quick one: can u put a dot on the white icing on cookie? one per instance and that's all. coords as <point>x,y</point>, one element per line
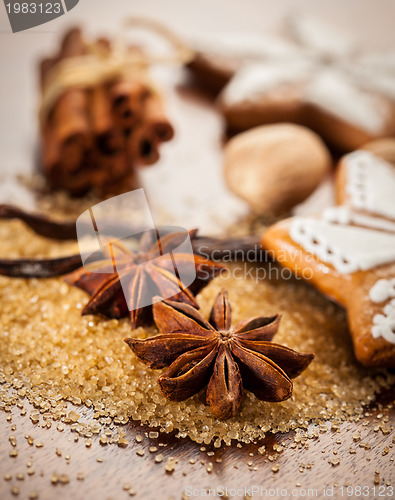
<point>370,183</point>
<point>334,92</point>
<point>382,290</point>
<point>352,85</point>
<point>347,248</point>
<point>314,34</point>
<point>331,90</point>
<point>374,79</point>
<point>378,62</point>
<point>344,215</point>
<point>384,324</point>
<point>247,46</point>
<point>254,81</point>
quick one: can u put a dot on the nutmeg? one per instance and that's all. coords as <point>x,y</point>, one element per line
<point>384,148</point>
<point>275,167</point>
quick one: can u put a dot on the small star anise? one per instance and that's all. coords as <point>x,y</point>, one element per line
<point>202,353</point>
<point>128,281</point>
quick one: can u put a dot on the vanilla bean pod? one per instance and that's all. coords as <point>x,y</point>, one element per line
<point>246,248</point>
<point>40,224</point>
<point>66,230</point>
<point>214,248</point>
<point>232,248</point>
<point>59,230</point>
<point>40,268</point>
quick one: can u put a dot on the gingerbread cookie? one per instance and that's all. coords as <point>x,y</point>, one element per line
<point>316,78</point>
<point>219,57</point>
<point>384,148</point>
<point>345,110</point>
<point>348,253</point>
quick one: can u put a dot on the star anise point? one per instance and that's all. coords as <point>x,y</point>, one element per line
<point>200,353</point>
<point>141,277</point>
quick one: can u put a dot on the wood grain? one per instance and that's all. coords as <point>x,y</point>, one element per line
<point>302,468</point>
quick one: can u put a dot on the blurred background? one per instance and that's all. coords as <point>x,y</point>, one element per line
<point>186,186</point>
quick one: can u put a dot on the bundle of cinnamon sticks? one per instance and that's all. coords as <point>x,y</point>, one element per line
<point>94,137</point>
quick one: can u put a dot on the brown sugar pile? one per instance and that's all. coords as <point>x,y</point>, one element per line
<point>50,353</point>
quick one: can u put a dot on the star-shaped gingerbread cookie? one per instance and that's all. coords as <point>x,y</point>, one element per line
<point>348,253</point>
<point>315,76</point>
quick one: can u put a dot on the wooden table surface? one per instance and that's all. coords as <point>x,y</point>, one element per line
<point>305,469</point>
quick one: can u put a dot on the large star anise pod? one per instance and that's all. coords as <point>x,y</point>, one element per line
<point>128,280</point>
<point>202,353</point>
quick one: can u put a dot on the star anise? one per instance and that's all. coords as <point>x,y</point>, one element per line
<point>128,280</point>
<point>201,353</point>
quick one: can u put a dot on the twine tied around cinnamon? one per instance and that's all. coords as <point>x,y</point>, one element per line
<point>100,66</point>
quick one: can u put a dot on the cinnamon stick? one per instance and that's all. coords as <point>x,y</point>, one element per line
<point>108,138</point>
<point>94,137</point>
<point>156,118</point>
<point>143,145</point>
<point>69,136</point>
<point>127,102</point>
<point>154,129</point>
